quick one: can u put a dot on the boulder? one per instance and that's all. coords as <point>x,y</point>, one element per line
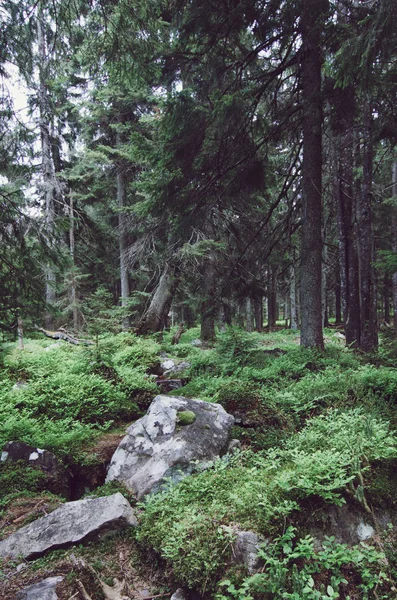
<point>245,550</point>
<point>170,367</point>
<point>44,590</point>
<point>177,436</point>
<point>72,523</point>
<point>57,477</point>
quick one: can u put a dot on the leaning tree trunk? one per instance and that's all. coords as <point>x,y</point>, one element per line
<point>155,316</point>
<point>312,22</point>
<point>369,326</point>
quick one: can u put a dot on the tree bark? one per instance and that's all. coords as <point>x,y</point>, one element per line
<point>208,304</point>
<point>21,345</point>
<point>344,197</point>
<point>394,244</point>
<point>258,313</point>
<point>155,316</point>
<point>369,326</point>
<point>73,286</point>
<point>47,164</point>
<point>124,281</point>
<point>312,19</point>
<point>292,299</point>
<point>248,315</point>
<point>272,297</point>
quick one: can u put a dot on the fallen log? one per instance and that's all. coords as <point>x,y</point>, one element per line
<point>62,334</point>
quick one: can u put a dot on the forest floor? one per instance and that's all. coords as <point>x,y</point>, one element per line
<point>316,430</point>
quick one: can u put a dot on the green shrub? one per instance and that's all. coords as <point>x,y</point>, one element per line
<point>141,352</point>
<point>17,477</point>
<point>84,398</point>
<point>294,570</point>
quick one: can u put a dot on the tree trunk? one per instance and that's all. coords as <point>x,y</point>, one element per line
<point>208,304</point>
<point>20,333</point>
<point>73,285</point>
<point>272,297</point>
<point>338,305</point>
<point>47,164</point>
<point>369,327</point>
<point>248,315</point>
<point>386,298</point>
<point>342,167</point>
<point>311,58</point>
<point>394,245</point>
<point>124,281</point>
<point>155,316</point>
<point>292,299</point>
<point>258,313</point>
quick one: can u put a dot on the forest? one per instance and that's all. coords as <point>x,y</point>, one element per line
<point>198,299</point>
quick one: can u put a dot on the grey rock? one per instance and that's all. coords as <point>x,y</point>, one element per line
<point>179,595</point>
<point>44,590</point>
<point>72,523</point>
<point>157,447</point>
<point>348,524</point>
<point>177,368</point>
<point>246,548</point>
<point>197,343</point>
<point>168,364</point>
<point>233,446</point>
<point>57,477</point>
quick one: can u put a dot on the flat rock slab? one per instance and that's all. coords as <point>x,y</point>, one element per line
<point>44,590</point>
<point>175,437</point>
<point>71,523</point>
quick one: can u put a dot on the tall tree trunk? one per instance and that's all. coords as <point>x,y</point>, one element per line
<point>312,22</point>
<point>124,281</point>
<point>155,316</point>
<point>394,244</point>
<point>258,312</point>
<point>248,315</point>
<point>386,298</point>
<point>272,297</point>
<point>338,305</point>
<point>47,164</point>
<point>73,286</point>
<point>292,299</point>
<point>21,345</point>
<point>208,303</point>
<point>369,327</point>
<point>343,192</point>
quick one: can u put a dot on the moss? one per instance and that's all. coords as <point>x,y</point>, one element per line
<point>186,417</point>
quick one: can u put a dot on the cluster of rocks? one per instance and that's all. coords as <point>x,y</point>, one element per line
<point>171,374</point>
<point>176,437</point>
